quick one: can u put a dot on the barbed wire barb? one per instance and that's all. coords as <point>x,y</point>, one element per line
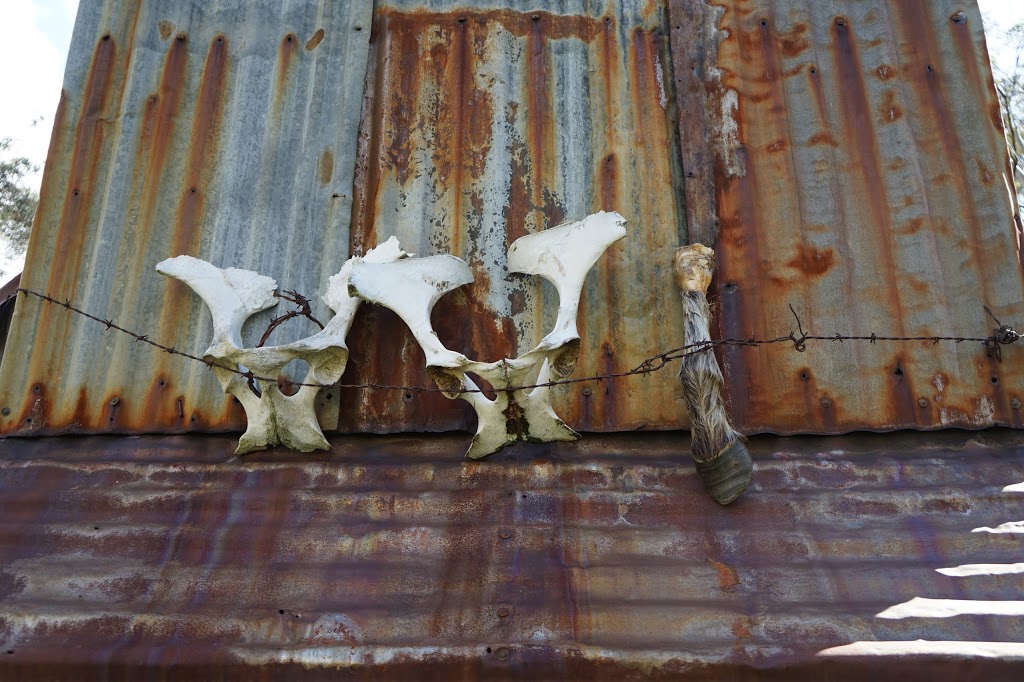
<point>1003,335</point>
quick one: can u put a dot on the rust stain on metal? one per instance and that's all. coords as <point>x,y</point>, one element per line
<point>435,565</point>
<point>462,114</point>
<point>326,166</point>
<point>166,28</point>
<point>876,213</point>
<point>315,41</point>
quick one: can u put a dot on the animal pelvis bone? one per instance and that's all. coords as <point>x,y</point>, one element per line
<point>411,287</point>
<point>562,255</point>
<point>233,296</point>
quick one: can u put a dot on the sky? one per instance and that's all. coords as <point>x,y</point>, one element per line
<point>34,40</point>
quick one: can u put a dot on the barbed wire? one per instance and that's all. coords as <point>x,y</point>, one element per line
<point>1002,335</point>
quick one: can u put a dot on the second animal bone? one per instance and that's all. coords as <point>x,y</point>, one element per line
<point>562,255</point>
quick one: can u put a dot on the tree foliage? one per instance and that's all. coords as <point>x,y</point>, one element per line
<point>17,202</point>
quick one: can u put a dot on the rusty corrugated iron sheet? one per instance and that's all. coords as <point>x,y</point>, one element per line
<point>219,129</point>
<point>484,123</point>
<point>393,558</point>
<point>848,158</point>
<point>231,135</point>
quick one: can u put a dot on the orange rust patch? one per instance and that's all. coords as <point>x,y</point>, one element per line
<point>822,139</point>
<point>326,166</point>
<point>811,261</point>
<point>166,28</point>
<point>315,40</point>
<point>889,110</point>
<point>794,42</point>
<point>727,577</point>
<point>985,173</point>
<point>519,24</point>
<point>741,627</point>
<point>777,146</point>
<point>885,72</point>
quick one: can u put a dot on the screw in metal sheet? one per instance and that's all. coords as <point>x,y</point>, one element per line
<point>502,654</point>
<point>1015,404</point>
<point>535,17</point>
<point>114,401</point>
<point>504,533</point>
<point>840,21</point>
<point>922,402</point>
<point>826,403</point>
<point>503,612</point>
<point>588,391</point>
<point>6,412</point>
<point>958,17</point>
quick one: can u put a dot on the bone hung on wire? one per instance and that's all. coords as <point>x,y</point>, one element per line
<point>719,453</point>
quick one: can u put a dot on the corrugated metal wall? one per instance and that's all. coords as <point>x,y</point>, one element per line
<point>237,143</point>
<point>218,129</point>
<point>392,559</point>
<point>486,124</point>
<point>848,159</point>
<point>843,157</point>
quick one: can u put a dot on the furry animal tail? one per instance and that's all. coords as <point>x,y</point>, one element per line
<point>721,457</point>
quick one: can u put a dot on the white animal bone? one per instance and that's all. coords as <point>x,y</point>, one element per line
<point>411,287</point>
<point>563,255</point>
<point>235,295</point>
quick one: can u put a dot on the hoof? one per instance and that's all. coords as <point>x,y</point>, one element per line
<point>728,474</point>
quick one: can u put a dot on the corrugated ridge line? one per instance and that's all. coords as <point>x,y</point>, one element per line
<point>156,153</point>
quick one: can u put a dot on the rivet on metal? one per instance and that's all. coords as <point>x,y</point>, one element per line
<point>6,411</point>
<point>588,391</point>
<point>502,654</point>
<point>825,402</point>
<point>503,612</point>
<point>1015,404</point>
<point>922,402</point>
<point>504,534</point>
<point>114,401</point>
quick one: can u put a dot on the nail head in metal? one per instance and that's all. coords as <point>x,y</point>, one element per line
<point>588,391</point>
<point>1015,404</point>
<point>503,612</point>
<point>6,411</point>
<point>504,534</point>
<point>114,401</point>
<point>502,654</point>
<point>840,21</point>
<point>922,402</point>
<point>825,402</point>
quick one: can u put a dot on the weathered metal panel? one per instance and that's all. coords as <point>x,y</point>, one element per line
<point>848,158</point>
<point>483,123</point>
<point>230,134</point>
<point>219,129</point>
<point>393,558</point>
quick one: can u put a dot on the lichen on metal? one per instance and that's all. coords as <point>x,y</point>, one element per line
<point>233,296</point>
<point>562,255</point>
<point>411,287</point>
